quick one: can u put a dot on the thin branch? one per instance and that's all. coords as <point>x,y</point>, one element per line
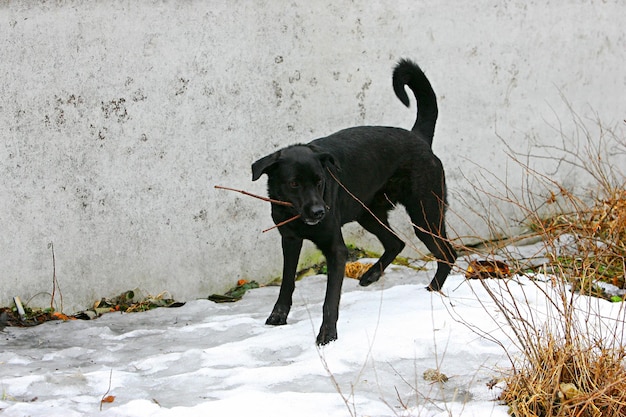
<point>281,203</point>
<point>108,389</point>
<point>55,282</point>
<point>289,220</point>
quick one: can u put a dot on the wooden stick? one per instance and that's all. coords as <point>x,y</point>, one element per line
<point>282,203</point>
<point>297,216</point>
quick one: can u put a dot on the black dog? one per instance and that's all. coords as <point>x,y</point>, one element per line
<point>359,174</point>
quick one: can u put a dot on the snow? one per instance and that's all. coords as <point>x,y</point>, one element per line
<point>221,359</point>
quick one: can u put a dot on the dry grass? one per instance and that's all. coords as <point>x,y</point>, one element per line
<point>567,368</point>
<point>568,378</point>
<point>572,360</point>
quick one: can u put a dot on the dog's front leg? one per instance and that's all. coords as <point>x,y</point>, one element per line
<point>336,256</point>
<point>291,254</point>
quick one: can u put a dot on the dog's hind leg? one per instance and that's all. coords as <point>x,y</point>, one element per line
<point>427,216</point>
<point>377,224</point>
<point>291,254</point>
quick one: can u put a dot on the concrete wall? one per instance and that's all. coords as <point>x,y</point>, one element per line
<point>117,119</point>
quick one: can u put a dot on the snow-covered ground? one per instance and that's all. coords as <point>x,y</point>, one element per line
<point>207,359</point>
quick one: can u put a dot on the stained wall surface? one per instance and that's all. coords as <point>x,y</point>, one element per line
<point>117,118</point>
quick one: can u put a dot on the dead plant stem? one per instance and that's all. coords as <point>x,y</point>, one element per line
<point>281,203</point>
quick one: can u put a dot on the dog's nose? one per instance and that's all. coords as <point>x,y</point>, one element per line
<point>318,212</point>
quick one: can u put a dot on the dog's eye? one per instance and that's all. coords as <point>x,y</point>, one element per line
<point>294,184</point>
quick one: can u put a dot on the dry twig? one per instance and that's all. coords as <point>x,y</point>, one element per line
<point>289,220</point>
<point>281,203</point>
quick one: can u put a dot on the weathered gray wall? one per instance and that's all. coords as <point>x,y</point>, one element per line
<point>118,117</point>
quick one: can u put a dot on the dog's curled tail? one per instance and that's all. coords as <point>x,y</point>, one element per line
<point>409,73</point>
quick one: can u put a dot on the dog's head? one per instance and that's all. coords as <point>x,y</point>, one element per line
<point>298,175</point>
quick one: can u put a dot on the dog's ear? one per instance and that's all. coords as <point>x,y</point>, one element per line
<point>329,161</point>
<point>261,166</point>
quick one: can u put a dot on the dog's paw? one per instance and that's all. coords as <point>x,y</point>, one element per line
<point>326,336</point>
<point>276,319</point>
<point>278,316</point>
<point>369,278</point>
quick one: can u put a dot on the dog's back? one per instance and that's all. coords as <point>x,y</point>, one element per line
<point>376,153</point>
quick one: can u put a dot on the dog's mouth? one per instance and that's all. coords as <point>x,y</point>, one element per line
<point>311,222</point>
<point>314,214</point>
